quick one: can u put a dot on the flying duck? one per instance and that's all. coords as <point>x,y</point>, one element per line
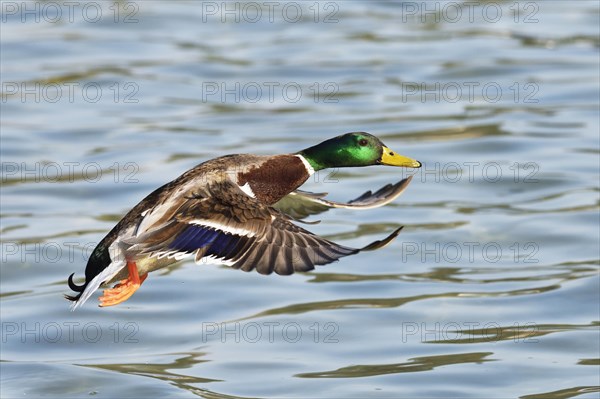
<point>238,210</point>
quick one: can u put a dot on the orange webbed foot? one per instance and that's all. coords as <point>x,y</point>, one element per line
<point>124,289</point>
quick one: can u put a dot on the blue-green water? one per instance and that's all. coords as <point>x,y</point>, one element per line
<point>491,290</point>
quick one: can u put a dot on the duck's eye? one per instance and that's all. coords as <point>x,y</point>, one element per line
<point>363,142</point>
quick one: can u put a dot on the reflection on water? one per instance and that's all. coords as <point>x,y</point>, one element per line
<point>564,393</point>
<point>413,365</point>
<point>392,302</point>
<point>525,332</point>
<point>160,371</point>
<point>492,285</point>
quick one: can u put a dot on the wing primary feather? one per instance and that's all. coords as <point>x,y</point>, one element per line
<point>300,204</point>
<point>382,243</point>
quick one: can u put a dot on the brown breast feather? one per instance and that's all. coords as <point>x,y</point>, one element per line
<point>275,178</point>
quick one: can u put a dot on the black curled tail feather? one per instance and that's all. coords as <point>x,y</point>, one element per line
<point>76,288</point>
<point>98,261</point>
<point>72,298</point>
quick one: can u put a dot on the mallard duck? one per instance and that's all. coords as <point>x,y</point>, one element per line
<point>236,210</point>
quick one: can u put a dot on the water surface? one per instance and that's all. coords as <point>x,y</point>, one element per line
<point>492,289</point>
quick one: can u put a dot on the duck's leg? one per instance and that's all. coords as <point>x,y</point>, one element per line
<point>125,289</point>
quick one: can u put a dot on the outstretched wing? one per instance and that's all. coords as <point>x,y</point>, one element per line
<point>300,204</point>
<point>222,223</point>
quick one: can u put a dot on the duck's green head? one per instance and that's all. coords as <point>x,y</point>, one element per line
<point>352,150</point>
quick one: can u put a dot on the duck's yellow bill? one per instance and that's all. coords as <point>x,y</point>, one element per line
<point>389,157</point>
